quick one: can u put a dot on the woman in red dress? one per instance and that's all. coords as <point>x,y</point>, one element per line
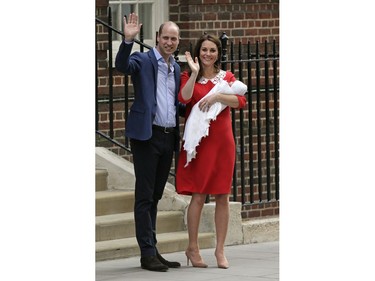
<point>211,171</point>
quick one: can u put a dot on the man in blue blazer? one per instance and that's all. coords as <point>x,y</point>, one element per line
<point>152,127</point>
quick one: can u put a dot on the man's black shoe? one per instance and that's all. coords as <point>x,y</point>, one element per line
<point>172,264</point>
<point>152,263</point>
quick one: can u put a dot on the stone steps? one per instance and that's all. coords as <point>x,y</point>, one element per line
<point>110,202</point>
<point>122,225</point>
<point>167,243</point>
<point>115,227</point>
<point>101,176</point>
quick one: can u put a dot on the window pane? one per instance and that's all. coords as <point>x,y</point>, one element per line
<point>144,11</point>
<point>115,15</point>
<point>127,9</point>
<point>145,17</point>
<point>118,12</point>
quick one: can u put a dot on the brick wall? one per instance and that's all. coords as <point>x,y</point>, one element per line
<point>241,20</point>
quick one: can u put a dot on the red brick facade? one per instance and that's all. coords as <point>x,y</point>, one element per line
<point>250,20</point>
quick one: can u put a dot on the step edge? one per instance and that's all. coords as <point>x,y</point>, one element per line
<point>131,241</point>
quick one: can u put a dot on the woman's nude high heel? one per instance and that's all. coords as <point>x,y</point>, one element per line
<point>197,262</point>
<point>222,263</point>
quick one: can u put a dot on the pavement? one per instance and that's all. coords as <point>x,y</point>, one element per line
<point>250,262</point>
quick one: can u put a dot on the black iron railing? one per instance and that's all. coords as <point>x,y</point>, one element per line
<point>109,134</point>
<point>259,94</point>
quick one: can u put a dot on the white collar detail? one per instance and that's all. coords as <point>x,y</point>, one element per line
<point>215,80</point>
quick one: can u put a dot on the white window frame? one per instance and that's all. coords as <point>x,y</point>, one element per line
<point>159,15</point>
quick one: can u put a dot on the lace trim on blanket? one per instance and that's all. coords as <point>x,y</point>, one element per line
<point>214,80</point>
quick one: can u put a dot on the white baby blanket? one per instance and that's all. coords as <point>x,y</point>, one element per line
<point>198,123</point>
